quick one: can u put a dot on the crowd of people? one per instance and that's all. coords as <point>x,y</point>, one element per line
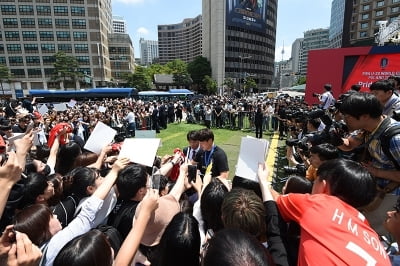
<point>63,205</point>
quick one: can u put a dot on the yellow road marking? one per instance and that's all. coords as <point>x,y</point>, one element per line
<point>272,153</point>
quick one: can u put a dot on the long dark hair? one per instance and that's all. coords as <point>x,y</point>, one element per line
<point>34,221</point>
<point>180,242</point>
<point>91,248</point>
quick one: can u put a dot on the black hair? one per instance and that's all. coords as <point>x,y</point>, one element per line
<point>35,185</point>
<point>211,202</point>
<point>192,135</point>
<point>325,151</point>
<point>359,103</point>
<point>240,182</point>
<point>349,181</point>
<point>315,122</point>
<point>232,247</point>
<point>356,87</point>
<point>130,180</point>
<point>82,177</point>
<point>328,87</point>
<point>205,134</point>
<point>66,157</point>
<point>91,248</point>
<point>42,152</point>
<point>180,242</point>
<point>382,85</point>
<point>298,184</point>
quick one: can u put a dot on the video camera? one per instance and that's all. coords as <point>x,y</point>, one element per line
<point>332,133</point>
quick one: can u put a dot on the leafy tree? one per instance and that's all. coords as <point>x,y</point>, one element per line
<point>249,83</point>
<point>198,69</point>
<point>230,84</point>
<point>155,69</point>
<point>65,68</point>
<point>182,79</point>
<point>139,79</point>
<point>301,80</point>
<point>211,85</point>
<point>176,66</point>
<point>4,75</point>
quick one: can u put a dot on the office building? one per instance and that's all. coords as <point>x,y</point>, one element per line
<point>33,31</point>
<point>239,40</point>
<point>297,48</point>
<point>148,51</point>
<point>313,40</point>
<point>362,19</point>
<point>336,24</point>
<point>119,25</point>
<point>180,41</point>
<point>121,57</point>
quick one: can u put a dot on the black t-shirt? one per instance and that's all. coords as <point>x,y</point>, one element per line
<point>122,215</point>
<point>218,158</point>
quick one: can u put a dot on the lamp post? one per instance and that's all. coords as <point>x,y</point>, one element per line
<point>241,69</point>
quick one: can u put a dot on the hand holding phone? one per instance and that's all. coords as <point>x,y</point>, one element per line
<point>192,172</point>
<point>155,178</point>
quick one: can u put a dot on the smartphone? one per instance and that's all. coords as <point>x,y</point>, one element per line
<point>155,178</point>
<point>192,172</point>
<point>30,126</point>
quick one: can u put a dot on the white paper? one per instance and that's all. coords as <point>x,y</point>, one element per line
<point>60,107</point>
<point>101,136</point>
<point>141,151</point>
<point>252,152</point>
<point>43,109</point>
<point>102,109</point>
<point>71,103</point>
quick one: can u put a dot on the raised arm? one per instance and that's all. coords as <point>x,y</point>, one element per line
<point>131,243</point>
<point>10,173</point>
<point>22,148</point>
<point>102,191</point>
<point>101,157</point>
<point>52,159</point>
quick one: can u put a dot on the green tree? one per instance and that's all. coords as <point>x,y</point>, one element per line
<point>4,75</point>
<point>230,84</point>
<point>176,66</point>
<point>211,85</point>
<point>182,79</point>
<point>301,80</point>
<point>198,69</point>
<point>65,68</point>
<point>249,83</point>
<point>139,80</point>
<point>155,69</point>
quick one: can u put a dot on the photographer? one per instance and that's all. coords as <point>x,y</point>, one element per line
<point>363,111</point>
<point>326,99</point>
<point>319,154</point>
<point>384,92</point>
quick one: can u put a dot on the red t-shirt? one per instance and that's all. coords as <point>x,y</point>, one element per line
<point>332,232</point>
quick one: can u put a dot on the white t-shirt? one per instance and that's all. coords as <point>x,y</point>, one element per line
<point>326,100</point>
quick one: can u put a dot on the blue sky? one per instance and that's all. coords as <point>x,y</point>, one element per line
<point>294,18</point>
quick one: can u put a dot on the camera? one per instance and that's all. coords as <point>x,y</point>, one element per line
<point>299,169</point>
<point>315,94</point>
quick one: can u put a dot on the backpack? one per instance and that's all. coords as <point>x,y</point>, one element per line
<point>385,138</point>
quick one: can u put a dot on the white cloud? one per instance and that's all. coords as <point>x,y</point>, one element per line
<point>142,31</point>
<point>130,2</point>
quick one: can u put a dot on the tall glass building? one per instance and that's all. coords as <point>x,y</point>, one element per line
<point>239,40</point>
<point>336,24</point>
